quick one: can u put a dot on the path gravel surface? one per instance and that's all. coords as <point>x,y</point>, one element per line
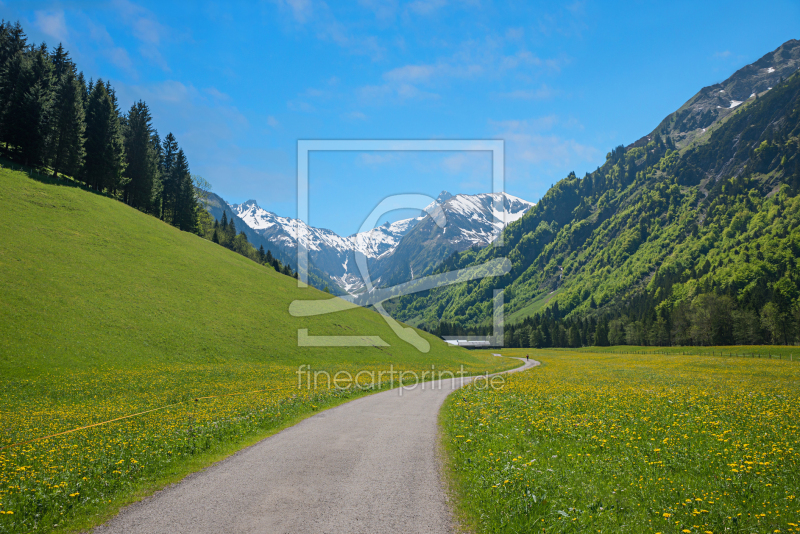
<point>369,465</point>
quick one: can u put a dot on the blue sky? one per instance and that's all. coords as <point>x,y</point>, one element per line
<point>239,83</point>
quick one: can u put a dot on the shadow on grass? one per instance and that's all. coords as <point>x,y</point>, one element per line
<point>47,178</point>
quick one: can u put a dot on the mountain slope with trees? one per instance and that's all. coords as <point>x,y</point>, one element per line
<point>53,121</point>
<point>676,239</point>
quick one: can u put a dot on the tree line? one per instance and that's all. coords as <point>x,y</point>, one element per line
<point>51,118</point>
<point>706,320</point>
<point>54,120</point>
<point>223,232</point>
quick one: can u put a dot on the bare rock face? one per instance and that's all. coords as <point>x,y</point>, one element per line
<point>714,103</point>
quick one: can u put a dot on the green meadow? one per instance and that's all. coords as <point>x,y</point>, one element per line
<point>629,443</point>
<point>107,312</point>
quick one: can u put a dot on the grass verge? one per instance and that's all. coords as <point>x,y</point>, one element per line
<point>629,443</point>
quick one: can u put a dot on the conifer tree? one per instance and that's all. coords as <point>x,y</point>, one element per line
<point>12,44</point>
<point>27,96</point>
<point>157,196</point>
<point>185,208</point>
<point>65,147</point>
<point>85,94</point>
<point>142,167</point>
<point>12,40</point>
<point>169,193</point>
<point>104,164</point>
<point>61,62</point>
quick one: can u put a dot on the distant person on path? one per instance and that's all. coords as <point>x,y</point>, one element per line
<point>527,356</point>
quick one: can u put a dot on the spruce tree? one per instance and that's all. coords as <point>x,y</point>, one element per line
<point>169,193</point>
<point>142,166</point>
<point>185,209</point>
<point>65,147</point>
<point>104,163</point>
<point>12,44</point>
<point>12,40</point>
<point>61,62</point>
<point>85,88</point>
<point>27,97</point>
<point>157,194</point>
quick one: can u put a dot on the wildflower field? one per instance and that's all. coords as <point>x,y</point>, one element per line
<point>629,443</point>
<point>107,312</point>
<point>200,414</point>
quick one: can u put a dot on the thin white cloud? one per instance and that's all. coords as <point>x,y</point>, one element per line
<point>455,163</point>
<point>302,10</point>
<point>384,10</point>
<point>532,146</point>
<point>515,34</point>
<point>356,115</point>
<point>472,59</point>
<point>106,47</point>
<point>366,45</point>
<point>273,122</point>
<point>577,8</point>
<point>146,29</point>
<point>410,73</point>
<point>318,16</point>
<point>171,91</point>
<point>393,91</point>
<point>216,93</point>
<point>52,24</point>
<point>299,105</point>
<point>426,7</point>
<point>542,93</point>
<point>316,93</point>
<point>567,21</point>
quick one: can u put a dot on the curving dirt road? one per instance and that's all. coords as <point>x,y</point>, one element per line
<point>368,465</point>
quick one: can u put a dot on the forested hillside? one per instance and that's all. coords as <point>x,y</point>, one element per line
<point>676,239</point>
<point>55,121</point>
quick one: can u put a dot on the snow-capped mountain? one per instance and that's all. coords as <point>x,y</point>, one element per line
<point>395,252</point>
<point>471,220</point>
<point>327,250</point>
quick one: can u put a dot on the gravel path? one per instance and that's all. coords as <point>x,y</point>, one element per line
<point>368,465</point>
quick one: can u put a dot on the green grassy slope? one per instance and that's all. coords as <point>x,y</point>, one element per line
<point>105,312</point>
<point>85,280</point>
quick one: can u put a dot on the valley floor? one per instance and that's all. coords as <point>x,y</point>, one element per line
<point>630,443</point>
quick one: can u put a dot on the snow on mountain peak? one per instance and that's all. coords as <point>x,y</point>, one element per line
<point>443,197</point>
<point>471,219</point>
